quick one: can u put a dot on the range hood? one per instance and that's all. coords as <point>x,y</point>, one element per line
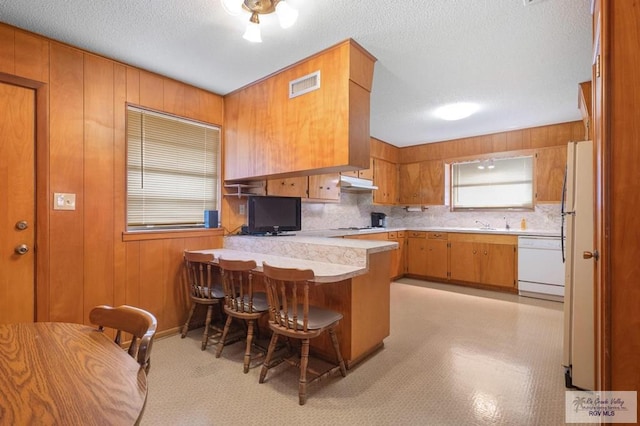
<point>353,184</point>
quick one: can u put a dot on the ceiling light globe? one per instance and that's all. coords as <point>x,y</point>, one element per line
<point>456,111</point>
<point>286,14</point>
<point>232,7</point>
<point>252,33</point>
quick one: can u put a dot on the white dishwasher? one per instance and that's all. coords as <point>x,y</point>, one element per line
<point>540,268</point>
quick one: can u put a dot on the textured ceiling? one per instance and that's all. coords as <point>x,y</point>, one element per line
<point>522,64</point>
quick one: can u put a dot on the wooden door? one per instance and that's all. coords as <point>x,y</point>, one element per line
<point>385,177</point>
<point>17,214</point>
<point>549,172</point>
<point>432,182</point>
<point>498,264</point>
<point>436,262</point>
<point>416,255</point>
<point>464,261</point>
<point>409,183</point>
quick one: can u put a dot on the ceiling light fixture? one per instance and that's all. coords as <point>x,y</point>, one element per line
<point>456,111</point>
<point>286,14</point>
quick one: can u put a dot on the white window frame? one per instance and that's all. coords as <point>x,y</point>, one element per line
<point>470,185</point>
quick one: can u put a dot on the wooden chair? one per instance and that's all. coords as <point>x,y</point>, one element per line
<point>291,316</point>
<point>135,321</point>
<point>240,301</point>
<point>203,289</point>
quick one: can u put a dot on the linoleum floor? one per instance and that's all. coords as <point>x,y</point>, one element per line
<point>455,356</point>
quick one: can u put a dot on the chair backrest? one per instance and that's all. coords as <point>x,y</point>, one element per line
<point>139,323</point>
<point>288,295</point>
<point>237,281</point>
<point>201,276</point>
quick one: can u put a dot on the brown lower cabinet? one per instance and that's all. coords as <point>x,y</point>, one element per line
<point>463,258</point>
<point>427,254</point>
<point>397,268</point>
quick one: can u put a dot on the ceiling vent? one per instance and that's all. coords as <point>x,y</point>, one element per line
<point>305,84</point>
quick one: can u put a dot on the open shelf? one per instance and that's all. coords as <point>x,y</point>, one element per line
<point>244,189</point>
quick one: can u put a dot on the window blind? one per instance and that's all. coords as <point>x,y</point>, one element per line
<point>172,170</point>
<point>507,184</point>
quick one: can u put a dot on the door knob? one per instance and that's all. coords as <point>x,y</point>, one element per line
<point>22,225</point>
<point>589,255</point>
<point>22,249</point>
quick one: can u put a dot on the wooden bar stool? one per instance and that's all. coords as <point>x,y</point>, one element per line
<point>291,316</point>
<point>240,301</point>
<point>203,288</point>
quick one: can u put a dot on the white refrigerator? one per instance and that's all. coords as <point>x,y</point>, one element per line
<point>578,225</point>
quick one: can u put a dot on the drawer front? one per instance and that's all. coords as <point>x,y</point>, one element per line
<point>437,235</point>
<point>402,234</point>
<point>392,235</point>
<point>417,234</point>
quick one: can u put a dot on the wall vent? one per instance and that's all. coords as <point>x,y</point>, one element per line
<point>305,84</point>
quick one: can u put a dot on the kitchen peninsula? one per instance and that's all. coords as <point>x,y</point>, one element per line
<point>352,278</point>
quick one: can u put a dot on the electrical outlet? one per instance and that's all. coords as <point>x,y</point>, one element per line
<point>241,210</point>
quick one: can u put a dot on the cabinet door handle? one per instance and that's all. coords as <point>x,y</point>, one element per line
<point>474,252</point>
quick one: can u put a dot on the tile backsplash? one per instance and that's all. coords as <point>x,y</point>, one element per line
<point>354,209</point>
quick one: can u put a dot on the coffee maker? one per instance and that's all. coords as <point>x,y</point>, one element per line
<point>378,220</point>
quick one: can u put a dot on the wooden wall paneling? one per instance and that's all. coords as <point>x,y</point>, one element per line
<point>539,136</point>
<point>66,148</point>
<point>517,140</point>
<point>559,134</point>
<point>98,182</point>
<point>119,183</point>
<point>498,142</point>
<point>153,279</point>
<point>191,101</point>
<point>133,85</point>
<point>42,208</point>
<point>7,49</point>
<point>132,273</point>
<point>579,131</point>
<point>175,303</point>
<point>151,90</point>
<point>31,56</point>
<point>174,97</point>
<point>384,151</point>
<point>212,107</point>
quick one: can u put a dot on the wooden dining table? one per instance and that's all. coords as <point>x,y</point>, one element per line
<point>55,373</point>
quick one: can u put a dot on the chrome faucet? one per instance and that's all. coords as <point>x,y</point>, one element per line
<point>484,225</point>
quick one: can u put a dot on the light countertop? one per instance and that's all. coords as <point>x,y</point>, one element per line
<point>502,231</point>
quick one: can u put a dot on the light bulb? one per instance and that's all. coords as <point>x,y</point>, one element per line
<point>286,14</point>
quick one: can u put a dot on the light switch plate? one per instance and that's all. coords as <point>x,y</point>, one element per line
<point>64,201</point>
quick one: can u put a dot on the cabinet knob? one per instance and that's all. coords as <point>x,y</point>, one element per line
<point>474,252</point>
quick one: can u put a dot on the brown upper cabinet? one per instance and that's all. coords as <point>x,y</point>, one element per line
<point>363,173</point>
<point>421,183</point>
<point>385,177</point>
<point>268,132</point>
<point>549,173</point>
